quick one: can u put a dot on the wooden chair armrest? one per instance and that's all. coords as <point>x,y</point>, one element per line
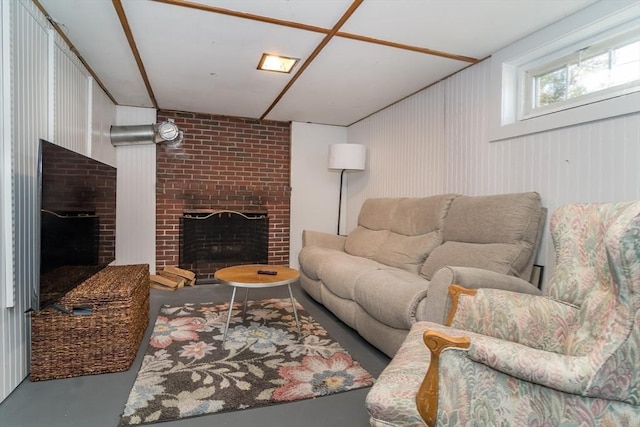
<point>455,291</point>
<point>427,398</point>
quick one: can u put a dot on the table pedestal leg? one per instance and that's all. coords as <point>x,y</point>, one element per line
<point>226,327</point>
<point>295,312</point>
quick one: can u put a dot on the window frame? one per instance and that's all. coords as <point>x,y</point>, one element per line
<point>597,45</point>
<point>598,22</point>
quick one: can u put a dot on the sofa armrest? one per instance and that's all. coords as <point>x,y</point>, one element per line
<point>434,304</point>
<point>427,397</point>
<point>325,240</point>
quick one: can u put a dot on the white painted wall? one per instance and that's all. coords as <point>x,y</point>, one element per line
<point>136,209</point>
<point>314,188</point>
<point>103,115</point>
<point>71,92</point>
<point>406,151</point>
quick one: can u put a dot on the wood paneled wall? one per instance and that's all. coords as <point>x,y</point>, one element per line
<point>50,97</point>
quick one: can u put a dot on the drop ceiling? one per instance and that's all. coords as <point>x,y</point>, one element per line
<point>356,57</point>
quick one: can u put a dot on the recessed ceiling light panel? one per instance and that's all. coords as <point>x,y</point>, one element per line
<point>277,63</point>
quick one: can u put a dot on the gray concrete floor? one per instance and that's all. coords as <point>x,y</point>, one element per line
<point>98,400</point>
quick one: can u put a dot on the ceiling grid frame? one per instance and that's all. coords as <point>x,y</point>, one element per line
<point>394,67</point>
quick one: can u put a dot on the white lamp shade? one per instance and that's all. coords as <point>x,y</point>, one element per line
<point>347,156</point>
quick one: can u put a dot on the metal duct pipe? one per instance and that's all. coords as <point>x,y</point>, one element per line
<point>130,135</point>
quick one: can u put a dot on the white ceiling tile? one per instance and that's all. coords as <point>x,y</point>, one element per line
<point>94,29</point>
<point>474,28</point>
<point>350,80</point>
<point>212,65</point>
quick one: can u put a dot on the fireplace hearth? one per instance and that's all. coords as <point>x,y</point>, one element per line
<point>214,239</point>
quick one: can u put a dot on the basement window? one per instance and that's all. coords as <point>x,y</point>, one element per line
<point>603,70</point>
<point>582,69</point>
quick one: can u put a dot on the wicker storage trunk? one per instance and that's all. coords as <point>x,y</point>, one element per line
<point>104,338</point>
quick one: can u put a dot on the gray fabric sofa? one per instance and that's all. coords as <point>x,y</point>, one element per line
<point>395,268</point>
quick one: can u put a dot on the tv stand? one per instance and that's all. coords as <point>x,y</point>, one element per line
<point>96,328</point>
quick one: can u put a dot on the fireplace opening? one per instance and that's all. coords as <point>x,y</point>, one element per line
<point>210,240</point>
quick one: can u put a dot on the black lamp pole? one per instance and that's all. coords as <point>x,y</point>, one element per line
<point>340,200</point>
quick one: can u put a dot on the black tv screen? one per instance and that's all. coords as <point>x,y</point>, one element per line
<point>77,220</point>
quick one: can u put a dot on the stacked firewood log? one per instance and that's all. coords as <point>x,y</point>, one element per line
<point>172,278</point>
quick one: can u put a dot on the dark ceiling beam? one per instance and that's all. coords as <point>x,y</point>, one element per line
<point>244,15</point>
<point>117,4</point>
<point>407,47</point>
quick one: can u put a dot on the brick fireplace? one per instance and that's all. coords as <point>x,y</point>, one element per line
<point>225,163</point>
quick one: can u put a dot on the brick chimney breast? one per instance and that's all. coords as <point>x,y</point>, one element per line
<point>224,163</point>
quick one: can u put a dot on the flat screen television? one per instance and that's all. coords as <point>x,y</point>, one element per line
<point>77,220</point>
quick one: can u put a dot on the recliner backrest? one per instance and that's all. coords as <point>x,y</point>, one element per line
<point>498,232</point>
<point>399,232</point>
<point>597,269</point>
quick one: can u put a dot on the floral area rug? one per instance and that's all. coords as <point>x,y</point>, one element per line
<point>186,371</point>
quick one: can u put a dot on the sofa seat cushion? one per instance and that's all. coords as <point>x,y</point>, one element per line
<point>340,272</point>
<point>336,269</point>
<point>312,257</point>
<point>388,295</point>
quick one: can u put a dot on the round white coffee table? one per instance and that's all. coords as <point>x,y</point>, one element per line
<point>256,276</point>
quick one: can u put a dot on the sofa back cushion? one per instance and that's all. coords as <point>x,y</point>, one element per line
<point>498,233</point>
<point>407,252</point>
<point>375,214</point>
<point>399,232</point>
<point>374,222</point>
<point>365,242</point>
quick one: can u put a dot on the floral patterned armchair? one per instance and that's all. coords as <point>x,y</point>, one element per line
<point>570,357</point>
